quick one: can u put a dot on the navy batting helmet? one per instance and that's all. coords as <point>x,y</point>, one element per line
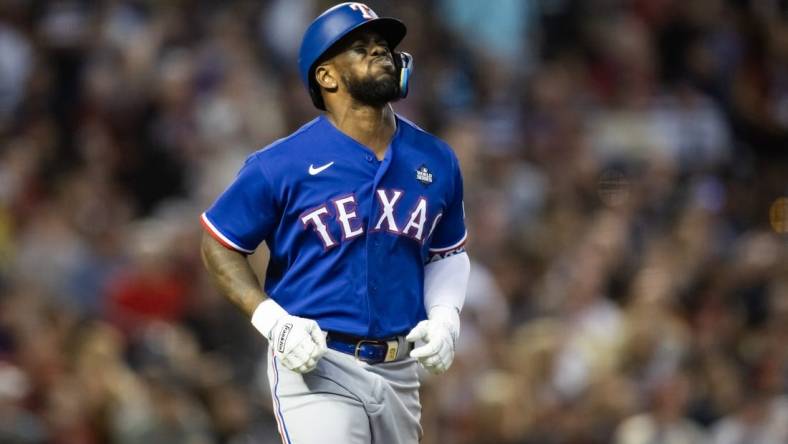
<point>339,21</point>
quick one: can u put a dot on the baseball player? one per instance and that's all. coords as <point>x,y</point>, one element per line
<point>363,214</point>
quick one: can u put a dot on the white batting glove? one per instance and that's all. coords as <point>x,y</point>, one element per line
<point>440,334</point>
<point>298,342</point>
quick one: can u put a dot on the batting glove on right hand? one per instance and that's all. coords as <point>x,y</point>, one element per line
<point>440,334</point>
<point>298,342</point>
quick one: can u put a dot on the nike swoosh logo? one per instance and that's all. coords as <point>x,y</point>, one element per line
<point>320,169</point>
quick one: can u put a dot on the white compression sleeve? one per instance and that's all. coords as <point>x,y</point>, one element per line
<point>446,281</point>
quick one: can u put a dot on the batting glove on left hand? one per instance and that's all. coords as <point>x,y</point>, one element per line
<point>440,334</point>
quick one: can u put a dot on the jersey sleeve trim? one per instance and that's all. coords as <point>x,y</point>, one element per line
<point>221,238</point>
<point>454,246</point>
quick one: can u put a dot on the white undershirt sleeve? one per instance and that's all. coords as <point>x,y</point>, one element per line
<point>446,281</point>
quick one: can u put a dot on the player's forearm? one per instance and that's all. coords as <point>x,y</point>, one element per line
<point>233,275</point>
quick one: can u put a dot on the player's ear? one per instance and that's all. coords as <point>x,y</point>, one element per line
<point>326,77</point>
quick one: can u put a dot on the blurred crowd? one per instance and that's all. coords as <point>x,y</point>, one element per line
<point>624,164</point>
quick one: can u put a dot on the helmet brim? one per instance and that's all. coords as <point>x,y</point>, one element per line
<point>389,28</point>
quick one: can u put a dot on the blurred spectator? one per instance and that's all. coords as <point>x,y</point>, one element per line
<point>665,422</point>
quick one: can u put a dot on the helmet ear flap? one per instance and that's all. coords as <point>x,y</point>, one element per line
<point>404,63</point>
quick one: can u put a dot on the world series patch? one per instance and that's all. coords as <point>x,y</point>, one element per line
<point>423,175</point>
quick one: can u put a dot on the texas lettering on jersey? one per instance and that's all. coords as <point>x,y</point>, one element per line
<point>349,222</point>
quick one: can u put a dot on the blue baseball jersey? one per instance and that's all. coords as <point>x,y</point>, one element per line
<point>349,234</point>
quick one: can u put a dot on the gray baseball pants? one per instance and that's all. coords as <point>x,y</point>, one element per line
<point>347,401</point>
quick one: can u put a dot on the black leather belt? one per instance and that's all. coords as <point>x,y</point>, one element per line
<point>371,351</point>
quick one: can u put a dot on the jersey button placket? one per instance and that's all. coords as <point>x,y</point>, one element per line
<point>373,241</point>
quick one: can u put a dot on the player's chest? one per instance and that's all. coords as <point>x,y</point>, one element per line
<point>341,199</point>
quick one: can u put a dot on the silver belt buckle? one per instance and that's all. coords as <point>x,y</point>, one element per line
<point>391,353</point>
<point>358,346</point>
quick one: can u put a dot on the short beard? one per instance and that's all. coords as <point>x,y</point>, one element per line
<point>372,92</point>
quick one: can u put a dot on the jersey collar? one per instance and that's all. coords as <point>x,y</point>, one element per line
<point>353,142</point>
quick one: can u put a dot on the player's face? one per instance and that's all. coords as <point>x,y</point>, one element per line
<point>367,69</point>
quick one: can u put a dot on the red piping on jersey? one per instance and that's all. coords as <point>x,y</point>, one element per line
<point>214,234</point>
